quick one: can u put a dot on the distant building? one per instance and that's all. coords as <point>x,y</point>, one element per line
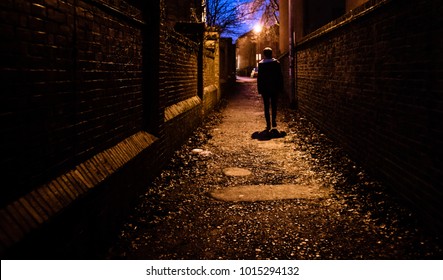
<point>250,45</point>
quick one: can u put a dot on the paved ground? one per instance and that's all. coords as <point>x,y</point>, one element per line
<point>235,192</point>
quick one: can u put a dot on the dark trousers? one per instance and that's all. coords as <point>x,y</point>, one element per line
<point>270,100</point>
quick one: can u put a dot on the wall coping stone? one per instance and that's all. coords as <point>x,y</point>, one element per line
<point>36,208</point>
<point>181,107</point>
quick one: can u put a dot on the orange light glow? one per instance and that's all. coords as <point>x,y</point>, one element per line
<point>258,28</point>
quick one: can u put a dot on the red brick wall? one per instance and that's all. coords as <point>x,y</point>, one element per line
<point>373,80</point>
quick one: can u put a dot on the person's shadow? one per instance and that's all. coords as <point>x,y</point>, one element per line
<point>267,135</point>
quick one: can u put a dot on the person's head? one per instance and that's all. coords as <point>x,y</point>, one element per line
<point>267,52</point>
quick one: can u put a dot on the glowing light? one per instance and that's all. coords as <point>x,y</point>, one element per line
<point>258,28</point>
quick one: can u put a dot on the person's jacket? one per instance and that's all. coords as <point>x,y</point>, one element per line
<point>270,77</point>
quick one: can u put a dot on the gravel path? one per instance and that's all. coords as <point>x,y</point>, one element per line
<point>336,210</point>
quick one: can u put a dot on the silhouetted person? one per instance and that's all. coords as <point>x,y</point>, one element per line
<point>270,84</point>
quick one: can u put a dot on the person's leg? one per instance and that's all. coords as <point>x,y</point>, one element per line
<point>267,117</point>
<point>274,110</point>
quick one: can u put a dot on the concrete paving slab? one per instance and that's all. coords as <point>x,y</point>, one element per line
<point>269,192</point>
<point>236,171</point>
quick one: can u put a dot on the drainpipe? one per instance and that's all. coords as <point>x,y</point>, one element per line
<point>292,58</point>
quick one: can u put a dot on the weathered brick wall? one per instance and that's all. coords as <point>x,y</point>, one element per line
<point>178,87</point>
<point>71,117</point>
<point>71,78</point>
<point>97,94</point>
<point>373,80</point>
<point>178,67</point>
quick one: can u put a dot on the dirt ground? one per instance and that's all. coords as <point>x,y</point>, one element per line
<point>293,194</point>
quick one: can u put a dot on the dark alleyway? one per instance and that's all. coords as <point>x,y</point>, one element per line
<point>311,200</point>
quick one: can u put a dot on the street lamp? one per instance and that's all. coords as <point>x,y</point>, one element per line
<point>257,30</point>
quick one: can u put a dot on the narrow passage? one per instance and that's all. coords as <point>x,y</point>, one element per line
<point>233,192</point>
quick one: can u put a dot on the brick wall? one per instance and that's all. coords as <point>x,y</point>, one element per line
<point>178,87</point>
<point>373,80</point>
<point>72,87</point>
<point>96,96</point>
<point>72,112</point>
<point>178,67</point>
